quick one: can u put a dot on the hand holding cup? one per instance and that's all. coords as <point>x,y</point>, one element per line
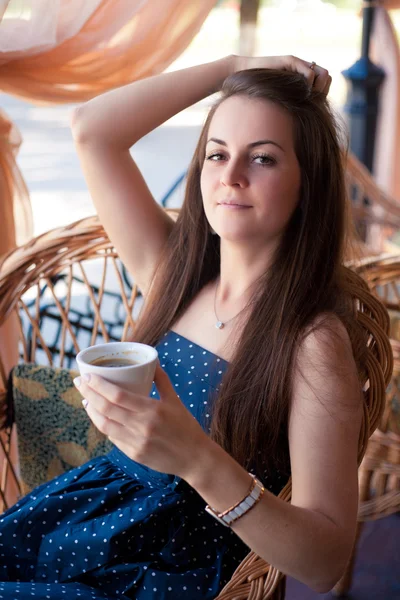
<point>161,434</point>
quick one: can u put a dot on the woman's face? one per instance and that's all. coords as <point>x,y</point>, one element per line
<point>250,181</point>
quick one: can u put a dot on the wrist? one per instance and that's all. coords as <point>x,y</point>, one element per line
<point>229,66</point>
<point>239,63</point>
<point>217,477</point>
<point>233,62</point>
<point>242,63</point>
<point>221,69</point>
<point>205,456</point>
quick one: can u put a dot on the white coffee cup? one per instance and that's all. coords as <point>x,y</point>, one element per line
<point>136,377</point>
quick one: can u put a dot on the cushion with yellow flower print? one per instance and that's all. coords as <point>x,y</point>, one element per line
<point>54,432</point>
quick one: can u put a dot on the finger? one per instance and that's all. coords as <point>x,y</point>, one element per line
<point>327,86</point>
<point>292,63</point>
<point>125,447</point>
<point>135,448</point>
<point>163,384</point>
<point>107,426</point>
<point>106,408</point>
<point>131,448</point>
<point>110,391</point>
<point>317,77</point>
<point>321,79</point>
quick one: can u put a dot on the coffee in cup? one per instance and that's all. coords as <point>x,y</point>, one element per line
<point>130,365</point>
<point>112,363</point>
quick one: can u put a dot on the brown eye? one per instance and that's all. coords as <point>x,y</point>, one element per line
<point>215,156</point>
<point>264,160</point>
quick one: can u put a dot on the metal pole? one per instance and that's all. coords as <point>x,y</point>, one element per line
<point>364,79</point>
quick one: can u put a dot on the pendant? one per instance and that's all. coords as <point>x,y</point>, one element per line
<point>219,325</point>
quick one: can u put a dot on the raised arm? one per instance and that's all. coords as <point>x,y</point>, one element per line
<point>104,130</point>
<point>106,127</point>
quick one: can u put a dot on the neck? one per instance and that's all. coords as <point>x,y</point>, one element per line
<point>240,270</point>
<point>241,267</point>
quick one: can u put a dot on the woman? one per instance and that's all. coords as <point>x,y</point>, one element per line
<point>247,306</point>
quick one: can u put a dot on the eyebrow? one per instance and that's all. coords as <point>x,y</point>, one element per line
<point>251,145</point>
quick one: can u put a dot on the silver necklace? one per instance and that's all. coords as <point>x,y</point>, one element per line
<point>221,324</point>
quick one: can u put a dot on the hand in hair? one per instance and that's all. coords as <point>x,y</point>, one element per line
<point>317,77</point>
<point>161,434</point>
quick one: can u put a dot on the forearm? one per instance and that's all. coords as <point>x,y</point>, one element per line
<point>301,543</point>
<point>122,116</point>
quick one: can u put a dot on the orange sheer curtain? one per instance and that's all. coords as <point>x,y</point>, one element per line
<point>69,51</point>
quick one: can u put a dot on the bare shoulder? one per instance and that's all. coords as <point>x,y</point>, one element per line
<point>327,333</point>
<point>325,367</point>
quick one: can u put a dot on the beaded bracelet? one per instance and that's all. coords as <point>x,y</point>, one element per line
<point>241,508</point>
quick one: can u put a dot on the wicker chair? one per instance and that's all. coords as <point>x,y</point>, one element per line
<point>376,214</point>
<point>40,281</point>
<point>379,473</point>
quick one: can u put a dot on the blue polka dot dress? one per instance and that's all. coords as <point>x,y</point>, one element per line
<point>116,529</point>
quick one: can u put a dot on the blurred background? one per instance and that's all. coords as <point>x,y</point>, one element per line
<point>61,51</point>
<point>327,32</point>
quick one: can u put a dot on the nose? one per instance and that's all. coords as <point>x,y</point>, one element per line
<point>233,174</point>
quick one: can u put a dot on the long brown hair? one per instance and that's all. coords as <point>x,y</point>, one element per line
<point>304,282</point>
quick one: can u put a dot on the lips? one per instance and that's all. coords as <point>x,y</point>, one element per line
<point>233,204</point>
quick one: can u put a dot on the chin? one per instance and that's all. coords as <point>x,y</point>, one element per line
<point>235,236</point>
